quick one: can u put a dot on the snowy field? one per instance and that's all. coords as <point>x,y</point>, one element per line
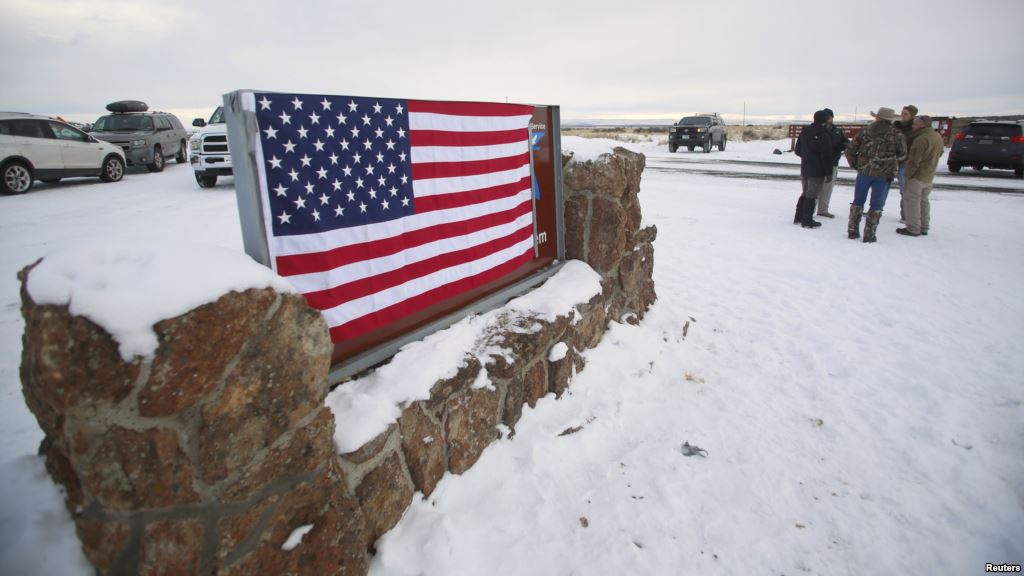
<point>861,406</point>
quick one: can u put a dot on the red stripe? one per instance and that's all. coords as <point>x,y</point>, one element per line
<point>338,295</point>
<point>470,108</point>
<point>337,257</point>
<point>426,170</point>
<point>470,197</point>
<point>384,316</point>
<point>445,138</point>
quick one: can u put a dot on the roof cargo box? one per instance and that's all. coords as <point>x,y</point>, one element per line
<point>122,106</point>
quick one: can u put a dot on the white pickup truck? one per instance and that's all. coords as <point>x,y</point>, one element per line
<point>208,149</point>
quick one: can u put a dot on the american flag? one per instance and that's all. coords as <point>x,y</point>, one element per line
<point>377,208</point>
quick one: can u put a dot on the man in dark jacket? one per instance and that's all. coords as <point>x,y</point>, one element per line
<point>839,143</point>
<point>814,147</point>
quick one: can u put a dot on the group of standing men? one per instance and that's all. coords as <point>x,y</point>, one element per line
<point>907,149</point>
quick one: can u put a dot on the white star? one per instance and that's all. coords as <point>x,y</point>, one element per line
<point>376,108</point>
<point>341,119</point>
<point>367,144</point>
<point>355,132</point>
<point>337,185</point>
<point>389,120</point>
<point>300,202</point>
<point>385,204</point>
<point>399,108</point>
<point>322,173</point>
<point>402,156</point>
<point>401,132</point>
<point>316,215</point>
<point>314,119</point>
<point>318,145</point>
<point>297,103</point>
<point>326,104</point>
<point>405,201</point>
<point>309,187</point>
<point>380,158</point>
<point>394,191</point>
<point>352,105</point>
<point>339,211</point>
<point>294,175</point>
<point>347,170</point>
<point>381,180</point>
<point>379,133</point>
<point>330,132</point>
<point>359,182</point>
<point>324,199</point>
<point>305,160</point>
<point>356,158</point>
<point>351,196</point>
<point>391,168</point>
<point>302,131</point>
<point>334,159</point>
<point>281,190</point>
<point>271,133</point>
<point>373,193</point>
<point>289,147</point>
<point>275,162</point>
<point>264,104</point>
<point>366,120</point>
<point>285,218</point>
<point>405,179</point>
<point>369,168</point>
<point>285,118</point>
<point>362,207</point>
<point>391,144</point>
<point>344,144</point>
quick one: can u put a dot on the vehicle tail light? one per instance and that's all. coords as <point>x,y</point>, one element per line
<point>961,136</point>
<point>1017,139</point>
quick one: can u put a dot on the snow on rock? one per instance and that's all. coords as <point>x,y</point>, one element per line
<point>365,407</point>
<point>592,149</point>
<point>558,352</point>
<point>295,538</point>
<point>127,288</point>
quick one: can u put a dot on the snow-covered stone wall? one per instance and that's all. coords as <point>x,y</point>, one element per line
<point>221,451</point>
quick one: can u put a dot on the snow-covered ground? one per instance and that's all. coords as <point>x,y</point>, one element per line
<point>861,406</point>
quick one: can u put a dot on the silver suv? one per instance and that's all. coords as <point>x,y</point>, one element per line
<point>41,148</point>
<point>147,138</point>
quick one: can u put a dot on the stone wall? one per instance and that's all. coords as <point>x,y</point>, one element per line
<point>207,457</point>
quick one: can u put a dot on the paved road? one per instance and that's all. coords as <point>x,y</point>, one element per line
<point>1000,182</point>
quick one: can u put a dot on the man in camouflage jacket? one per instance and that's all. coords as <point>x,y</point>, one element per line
<point>875,153</point>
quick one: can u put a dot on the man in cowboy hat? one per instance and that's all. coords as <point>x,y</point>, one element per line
<point>874,153</point>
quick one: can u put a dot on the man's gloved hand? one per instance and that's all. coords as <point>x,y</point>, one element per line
<point>888,180</point>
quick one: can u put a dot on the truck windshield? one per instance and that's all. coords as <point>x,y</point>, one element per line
<point>695,121</point>
<point>218,116</point>
<point>123,122</point>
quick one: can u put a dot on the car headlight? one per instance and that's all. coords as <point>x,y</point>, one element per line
<point>138,143</point>
<point>193,144</point>
<point>698,130</point>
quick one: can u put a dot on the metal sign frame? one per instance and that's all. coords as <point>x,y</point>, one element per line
<point>242,135</point>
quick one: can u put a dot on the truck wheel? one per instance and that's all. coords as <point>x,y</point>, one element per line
<point>954,168</point>
<point>672,148</point>
<point>721,145</point>
<point>113,169</point>
<point>690,148</point>
<point>15,178</point>
<point>1018,172</point>
<point>707,145</point>
<point>182,155</point>
<point>206,181</point>
<point>157,165</point>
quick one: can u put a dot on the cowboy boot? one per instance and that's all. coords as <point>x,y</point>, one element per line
<point>853,227</point>
<point>807,214</point>
<point>799,210</point>
<point>871,225</point>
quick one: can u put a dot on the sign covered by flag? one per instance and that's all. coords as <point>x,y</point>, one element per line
<point>377,208</point>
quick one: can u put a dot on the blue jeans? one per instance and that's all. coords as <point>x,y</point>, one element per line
<point>879,190</point>
<point>901,177</point>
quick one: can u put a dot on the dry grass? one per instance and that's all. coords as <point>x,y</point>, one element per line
<point>659,134</point>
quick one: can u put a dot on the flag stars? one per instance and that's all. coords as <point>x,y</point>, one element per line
<point>302,131</point>
<point>362,207</point>
<point>401,156</point>
<point>337,185</point>
<point>300,202</point>
<point>352,106</point>
<point>385,204</point>
<point>355,132</point>
<point>390,144</point>
<point>373,194</point>
<point>342,119</point>
<point>281,190</point>
<point>369,168</point>
<point>368,145</point>
<point>285,217</point>
<point>326,104</point>
<point>393,191</point>
<point>366,120</point>
<point>297,103</point>
<point>390,121</point>
<point>316,215</point>
<point>275,162</point>
<point>294,175</point>
<point>357,158</point>
<point>313,118</point>
<point>344,144</point>
<point>351,196</point>
<point>405,202</point>
<point>322,173</point>
<point>309,188</point>
<point>339,211</point>
<point>391,168</point>
<point>377,107</point>
<point>359,183</point>
<point>271,132</point>
<point>334,159</point>
<point>381,180</point>
<point>289,146</point>
<point>319,145</point>
<point>347,170</point>
<point>264,104</point>
<point>380,158</point>
<point>401,132</point>
<point>398,109</point>
<point>379,133</point>
<point>324,199</point>
<point>305,160</point>
<point>329,132</point>
<point>405,179</point>
<point>285,118</point>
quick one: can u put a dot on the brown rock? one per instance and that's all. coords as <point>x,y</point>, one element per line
<point>234,530</point>
<point>591,326</point>
<point>62,472</point>
<point>536,385</point>
<point>302,451</point>
<point>367,451</point>
<point>187,366</point>
<point>603,176</point>
<point>607,241</point>
<point>280,378</point>
<point>563,370</point>
<point>463,379</point>
<point>171,547</point>
<point>470,427</point>
<point>514,396</point>
<point>423,446</point>
<point>635,268</point>
<point>335,545</point>
<point>646,235</point>
<point>384,494</point>
<point>523,338</point>
<point>138,469</point>
<point>631,208</point>
<point>102,542</point>
<point>577,220</point>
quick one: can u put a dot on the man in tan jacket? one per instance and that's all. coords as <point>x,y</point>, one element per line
<point>922,159</point>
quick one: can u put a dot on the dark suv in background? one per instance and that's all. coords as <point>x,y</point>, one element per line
<point>147,138</point>
<point>989,144</point>
<point>704,130</point>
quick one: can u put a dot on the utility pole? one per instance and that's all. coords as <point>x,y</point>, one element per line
<point>744,112</point>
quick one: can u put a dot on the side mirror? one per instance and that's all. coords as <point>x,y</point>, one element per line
<point>199,122</point>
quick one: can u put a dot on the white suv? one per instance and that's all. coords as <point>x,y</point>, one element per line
<point>41,148</point>
<point>208,149</point>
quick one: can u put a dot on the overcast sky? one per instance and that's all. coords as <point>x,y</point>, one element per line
<point>636,59</point>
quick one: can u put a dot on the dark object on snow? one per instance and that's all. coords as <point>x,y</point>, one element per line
<point>571,430</point>
<point>122,106</point>
<point>777,152</point>
<point>688,450</point>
